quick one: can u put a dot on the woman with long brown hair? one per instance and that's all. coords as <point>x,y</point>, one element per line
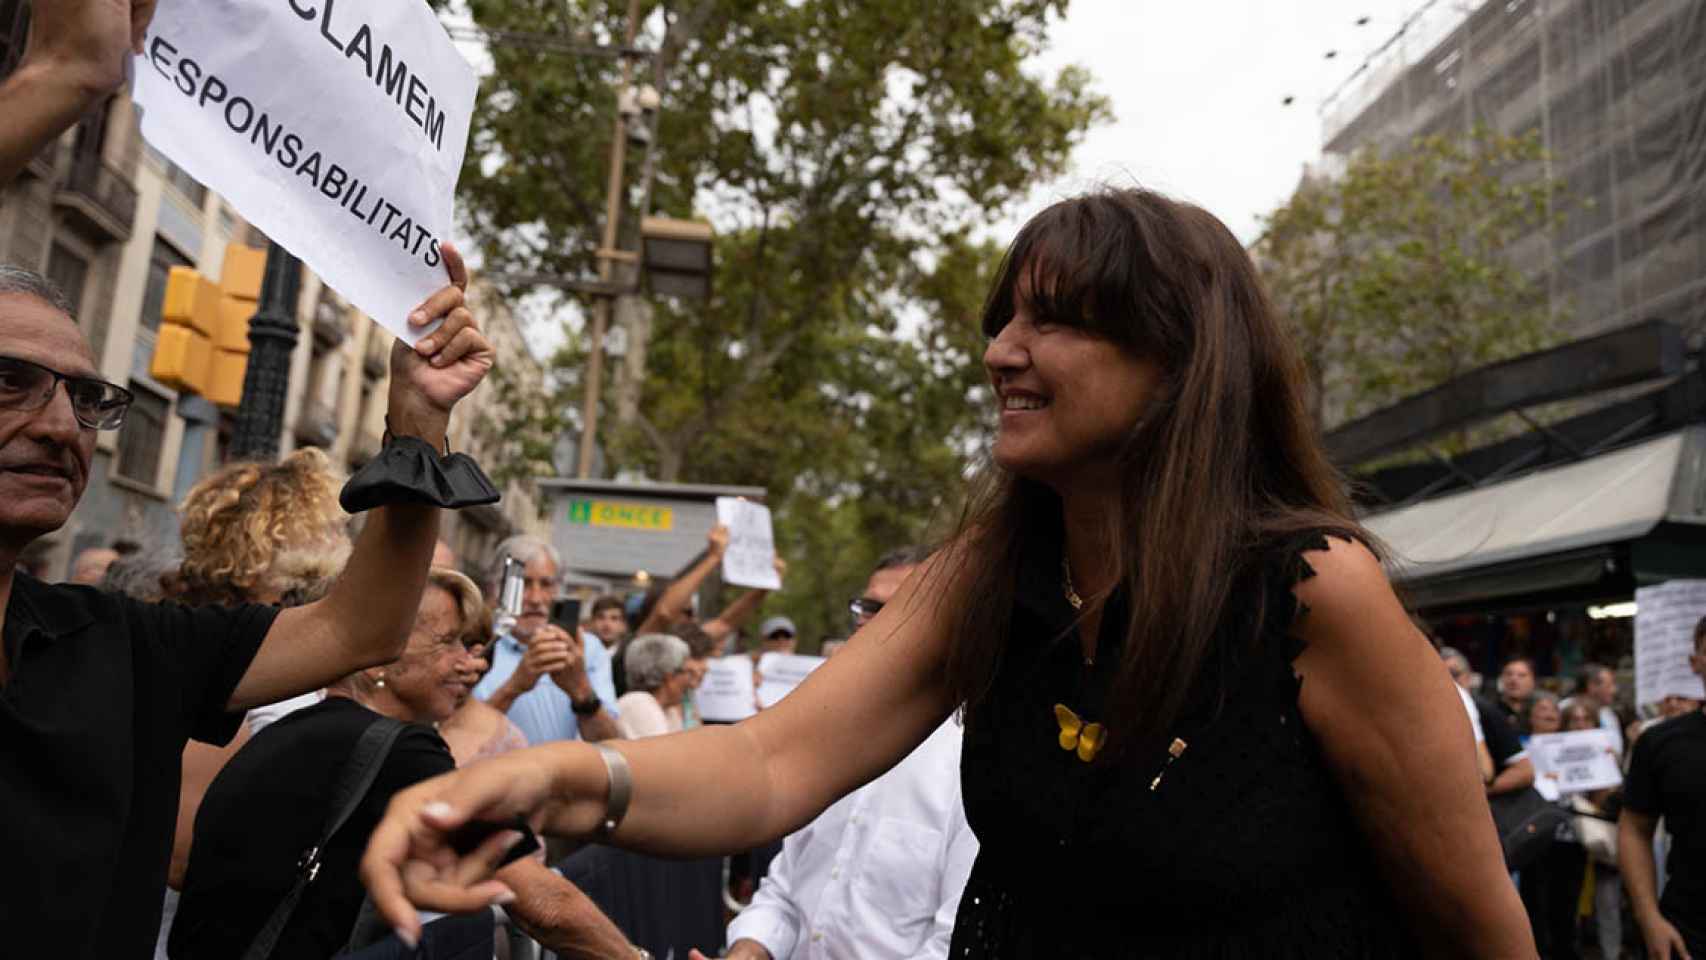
<point>1198,722</point>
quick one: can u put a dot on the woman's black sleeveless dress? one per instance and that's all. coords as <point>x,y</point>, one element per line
<point>1245,848</point>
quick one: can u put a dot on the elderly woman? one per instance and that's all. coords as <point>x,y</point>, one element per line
<point>658,679</point>
<point>477,729</point>
<point>269,805</point>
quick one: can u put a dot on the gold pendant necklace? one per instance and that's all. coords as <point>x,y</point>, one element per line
<point>1073,598</point>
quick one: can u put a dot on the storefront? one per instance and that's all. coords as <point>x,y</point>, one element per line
<point>1546,564</point>
<point>622,536</point>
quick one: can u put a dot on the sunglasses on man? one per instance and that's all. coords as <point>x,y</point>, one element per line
<point>863,608</point>
<point>27,386</point>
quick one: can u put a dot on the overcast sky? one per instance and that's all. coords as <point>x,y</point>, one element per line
<point>1197,90</point>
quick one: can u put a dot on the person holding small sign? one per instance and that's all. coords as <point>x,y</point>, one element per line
<point>1198,720</point>
<point>1667,779</point>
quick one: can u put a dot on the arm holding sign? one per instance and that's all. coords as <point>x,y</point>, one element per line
<point>365,618</point>
<point>736,614</point>
<point>677,598</point>
<point>73,59</point>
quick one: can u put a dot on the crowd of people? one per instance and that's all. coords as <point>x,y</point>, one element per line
<point>1154,696</point>
<point>1574,887</point>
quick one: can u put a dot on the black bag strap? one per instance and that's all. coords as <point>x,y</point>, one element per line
<point>354,780</point>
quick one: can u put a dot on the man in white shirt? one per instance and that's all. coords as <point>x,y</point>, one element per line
<point>878,875</point>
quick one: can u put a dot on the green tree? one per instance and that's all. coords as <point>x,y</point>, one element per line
<point>844,150</point>
<point>1413,266</point>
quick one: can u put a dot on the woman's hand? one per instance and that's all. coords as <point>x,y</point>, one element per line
<point>410,861</point>
<point>442,367</point>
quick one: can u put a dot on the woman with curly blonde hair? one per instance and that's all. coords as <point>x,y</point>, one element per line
<point>268,533</point>
<point>249,527</point>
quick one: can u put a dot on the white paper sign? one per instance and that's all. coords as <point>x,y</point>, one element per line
<point>727,694</point>
<point>1665,616</point>
<point>336,128</point>
<point>750,560</point>
<point>1576,762</point>
<point>780,673</point>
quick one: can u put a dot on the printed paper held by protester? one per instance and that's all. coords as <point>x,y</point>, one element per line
<point>750,560</point>
<point>337,129</point>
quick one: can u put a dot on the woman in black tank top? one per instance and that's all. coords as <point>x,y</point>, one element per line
<point>1198,721</point>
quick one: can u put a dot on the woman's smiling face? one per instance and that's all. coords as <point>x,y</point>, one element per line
<point>1069,397</point>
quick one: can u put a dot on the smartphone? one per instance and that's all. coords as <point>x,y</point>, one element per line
<point>473,833</point>
<point>566,613</point>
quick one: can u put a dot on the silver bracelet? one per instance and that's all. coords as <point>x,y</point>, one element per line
<point>621,791</point>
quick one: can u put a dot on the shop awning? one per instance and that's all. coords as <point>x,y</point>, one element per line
<point>1610,498</point>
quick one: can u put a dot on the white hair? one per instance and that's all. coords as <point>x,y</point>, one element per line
<point>652,658</point>
<point>524,548</point>
<point>16,279</point>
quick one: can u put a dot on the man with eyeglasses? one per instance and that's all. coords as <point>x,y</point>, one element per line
<point>99,693</point>
<point>878,875</point>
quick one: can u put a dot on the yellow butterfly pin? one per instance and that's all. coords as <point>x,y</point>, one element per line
<point>1075,734</point>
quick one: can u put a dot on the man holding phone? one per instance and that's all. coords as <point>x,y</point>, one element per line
<point>554,682</point>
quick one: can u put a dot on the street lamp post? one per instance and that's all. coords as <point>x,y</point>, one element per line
<point>607,255</point>
<point>266,380</point>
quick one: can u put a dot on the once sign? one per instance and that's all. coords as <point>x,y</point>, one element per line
<point>338,130</point>
<point>628,516</point>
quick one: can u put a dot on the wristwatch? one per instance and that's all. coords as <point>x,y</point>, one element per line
<point>587,707</point>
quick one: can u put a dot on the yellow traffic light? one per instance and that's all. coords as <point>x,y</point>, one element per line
<point>191,300</point>
<point>181,358</point>
<point>203,342</point>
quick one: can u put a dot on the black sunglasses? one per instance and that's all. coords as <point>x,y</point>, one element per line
<point>28,386</point>
<point>864,607</point>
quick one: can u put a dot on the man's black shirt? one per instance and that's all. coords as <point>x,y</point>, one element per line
<point>1667,778</point>
<point>1502,740</point>
<point>103,694</point>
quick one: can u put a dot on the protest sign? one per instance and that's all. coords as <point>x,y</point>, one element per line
<point>750,560</point>
<point>1665,616</point>
<point>337,130</point>
<point>780,673</point>
<point>1576,762</point>
<point>726,695</point>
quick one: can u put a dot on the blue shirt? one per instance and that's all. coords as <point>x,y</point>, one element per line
<point>545,712</point>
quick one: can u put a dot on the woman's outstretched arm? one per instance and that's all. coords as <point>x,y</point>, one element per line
<point>711,790</point>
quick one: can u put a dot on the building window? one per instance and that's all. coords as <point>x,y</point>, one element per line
<point>14,27</point>
<point>69,271</point>
<point>186,184</point>
<point>143,434</point>
<point>160,265</point>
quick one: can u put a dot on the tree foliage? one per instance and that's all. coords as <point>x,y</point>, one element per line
<point>845,151</point>
<point>1413,266</point>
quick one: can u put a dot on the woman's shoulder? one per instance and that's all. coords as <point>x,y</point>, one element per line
<point>1323,577</point>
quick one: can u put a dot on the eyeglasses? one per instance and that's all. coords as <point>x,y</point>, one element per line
<point>27,386</point>
<point>864,608</point>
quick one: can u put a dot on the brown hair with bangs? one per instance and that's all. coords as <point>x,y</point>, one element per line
<point>1224,464</point>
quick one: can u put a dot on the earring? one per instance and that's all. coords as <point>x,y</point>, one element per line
<point>380,683</point>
